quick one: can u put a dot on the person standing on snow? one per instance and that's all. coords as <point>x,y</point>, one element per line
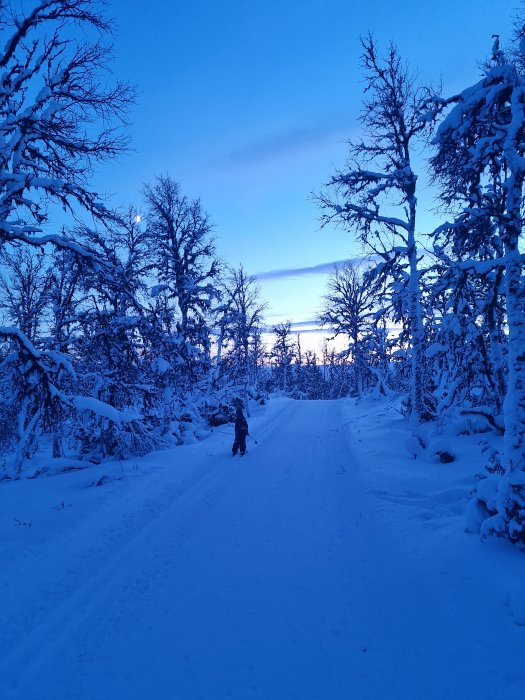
<point>241,431</point>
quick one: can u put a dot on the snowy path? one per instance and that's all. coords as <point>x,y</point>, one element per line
<point>266,577</point>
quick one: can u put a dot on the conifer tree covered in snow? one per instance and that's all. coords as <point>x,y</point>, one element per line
<point>375,196</point>
<point>480,162</point>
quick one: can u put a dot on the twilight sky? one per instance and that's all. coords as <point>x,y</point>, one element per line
<point>248,104</point>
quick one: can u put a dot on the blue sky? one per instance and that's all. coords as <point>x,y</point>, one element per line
<point>248,104</point>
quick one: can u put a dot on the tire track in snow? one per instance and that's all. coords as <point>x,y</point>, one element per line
<point>53,604</point>
<point>32,652</point>
<point>266,578</point>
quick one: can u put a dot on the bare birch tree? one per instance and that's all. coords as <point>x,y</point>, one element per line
<point>375,196</point>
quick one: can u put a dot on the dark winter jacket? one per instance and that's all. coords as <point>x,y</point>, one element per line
<point>241,426</point>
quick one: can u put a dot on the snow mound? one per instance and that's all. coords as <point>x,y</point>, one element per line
<point>413,446</point>
<point>441,451</point>
<point>474,516</point>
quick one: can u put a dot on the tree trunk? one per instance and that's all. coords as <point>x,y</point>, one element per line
<point>510,519</point>
<point>511,493</point>
<point>418,413</point>
<point>26,434</point>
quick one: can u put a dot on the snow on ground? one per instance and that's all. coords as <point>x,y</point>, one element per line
<point>328,563</point>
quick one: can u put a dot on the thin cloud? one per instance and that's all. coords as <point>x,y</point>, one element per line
<point>312,327</point>
<point>305,324</point>
<point>320,269</point>
<point>290,140</point>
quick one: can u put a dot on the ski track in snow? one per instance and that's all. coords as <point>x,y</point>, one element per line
<point>268,577</point>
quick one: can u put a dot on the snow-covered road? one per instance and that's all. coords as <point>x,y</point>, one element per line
<point>267,577</point>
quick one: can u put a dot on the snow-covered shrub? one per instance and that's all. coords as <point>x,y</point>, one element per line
<point>219,414</point>
<point>440,450</point>
<point>413,446</point>
<point>483,503</point>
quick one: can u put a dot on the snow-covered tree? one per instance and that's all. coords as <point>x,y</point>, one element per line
<point>24,290</point>
<point>241,323</point>
<point>111,349</point>
<point>337,373</point>
<point>59,106</point>
<point>30,380</point>
<point>480,162</point>
<point>466,340</point>
<point>66,272</point>
<point>375,196</point>
<point>283,352</point>
<point>187,268</point>
<point>54,104</point>
<point>349,310</point>
<point>313,384</point>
